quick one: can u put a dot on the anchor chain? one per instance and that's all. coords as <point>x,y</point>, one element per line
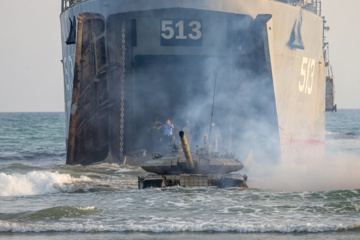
<point>122,93</point>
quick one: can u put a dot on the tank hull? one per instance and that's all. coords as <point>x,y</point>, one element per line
<point>131,59</point>
<point>192,180</point>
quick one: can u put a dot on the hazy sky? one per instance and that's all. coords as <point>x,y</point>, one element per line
<point>30,54</point>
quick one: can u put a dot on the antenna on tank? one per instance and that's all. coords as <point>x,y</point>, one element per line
<point>212,108</point>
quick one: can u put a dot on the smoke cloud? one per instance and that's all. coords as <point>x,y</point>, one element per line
<point>330,173</point>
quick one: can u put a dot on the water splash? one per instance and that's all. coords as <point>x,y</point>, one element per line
<point>36,183</point>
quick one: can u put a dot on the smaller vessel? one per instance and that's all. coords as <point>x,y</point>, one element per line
<point>181,168</point>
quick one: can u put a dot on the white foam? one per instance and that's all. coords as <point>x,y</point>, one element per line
<point>332,133</point>
<point>86,208</point>
<point>35,183</point>
<point>122,171</point>
<point>172,227</point>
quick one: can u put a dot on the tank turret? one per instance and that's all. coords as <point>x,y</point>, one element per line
<point>202,168</point>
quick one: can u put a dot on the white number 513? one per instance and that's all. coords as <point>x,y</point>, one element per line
<point>307,71</point>
<point>168,30</point>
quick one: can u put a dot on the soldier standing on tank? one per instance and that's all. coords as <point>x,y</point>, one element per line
<point>197,133</point>
<point>168,137</point>
<point>155,135</point>
<point>213,138</point>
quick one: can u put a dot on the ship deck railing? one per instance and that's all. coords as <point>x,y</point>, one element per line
<point>66,4</point>
<point>310,5</point>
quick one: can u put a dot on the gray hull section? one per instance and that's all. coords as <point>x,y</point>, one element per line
<point>294,53</point>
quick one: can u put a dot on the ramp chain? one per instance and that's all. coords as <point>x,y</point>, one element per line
<point>122,93</point>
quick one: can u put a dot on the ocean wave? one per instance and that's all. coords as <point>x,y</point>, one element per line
<point>33,157</point>
<point>175,227</point>
<point>59,212</point>
<point>353,134</point>
<point>343,135</point>
<point>36,183</point>
<point>103,168</point>
<point>21,167</point>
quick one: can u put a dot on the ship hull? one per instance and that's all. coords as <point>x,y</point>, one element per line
<point>261,63</point>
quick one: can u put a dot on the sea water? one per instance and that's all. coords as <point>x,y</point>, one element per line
<point>42,198</point>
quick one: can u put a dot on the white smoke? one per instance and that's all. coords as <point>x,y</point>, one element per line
<point>329,173</point>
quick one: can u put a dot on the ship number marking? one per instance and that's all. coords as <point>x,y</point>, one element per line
<point>307,71</point>
<point>196,29</point>
<point>192,30</point>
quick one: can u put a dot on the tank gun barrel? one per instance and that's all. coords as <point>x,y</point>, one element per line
<point>186,149</point>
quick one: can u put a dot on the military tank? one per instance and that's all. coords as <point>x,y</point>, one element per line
<point>181,168</point>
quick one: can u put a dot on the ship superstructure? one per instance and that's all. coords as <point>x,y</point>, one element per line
<point>127,63</point>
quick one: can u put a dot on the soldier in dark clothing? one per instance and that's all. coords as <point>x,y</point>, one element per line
<point>154,131</point>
